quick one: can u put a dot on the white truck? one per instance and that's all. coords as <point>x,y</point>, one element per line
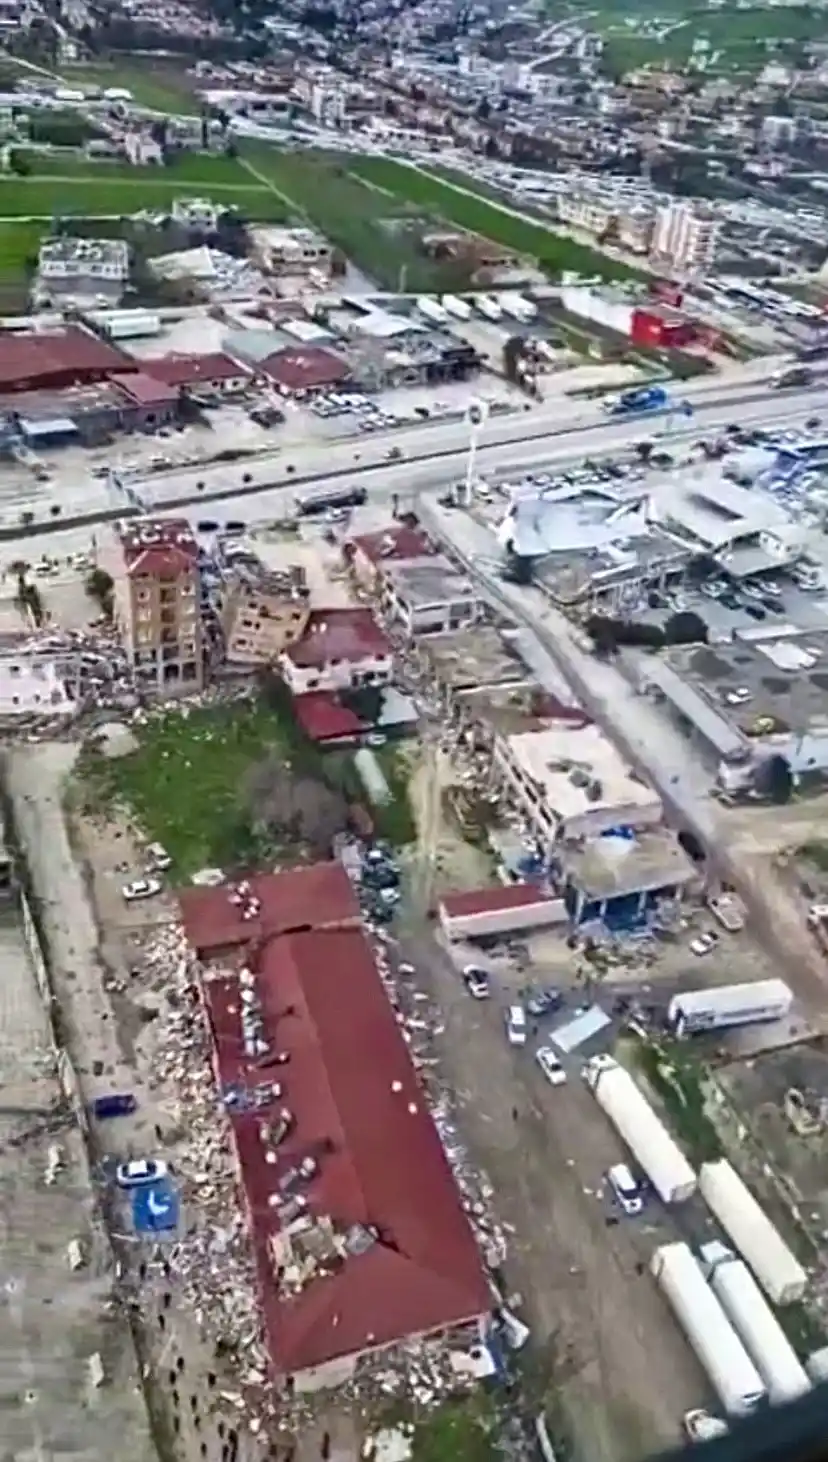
<point>751,1232</point>
<point>726,1005</point>
<point>756,1325</point>
<point>488,307</point>
<point>460,309</point>
<point>729,1368</point>
<point>517,307</point>
<point>643,1132</point>
<point>432,309</point>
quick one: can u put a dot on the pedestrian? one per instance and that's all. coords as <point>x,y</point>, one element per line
<point>159,1132</point>
<point>325,1448</point>
<point>515,1114</point>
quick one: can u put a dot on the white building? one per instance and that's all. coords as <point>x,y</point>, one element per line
<point>341,649</point>
<point>686,237</point>
<point>570,782</point>
<point>200,213</point>
<point>428,596</point>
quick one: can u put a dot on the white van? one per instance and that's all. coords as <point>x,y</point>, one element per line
<point>626,1189</point>
<point>517,1030</point>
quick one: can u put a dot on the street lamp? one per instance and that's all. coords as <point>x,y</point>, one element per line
<point>477,414</point>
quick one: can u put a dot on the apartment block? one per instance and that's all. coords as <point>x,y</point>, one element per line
<point>262,612</point>
<point>586,212</point>
<point>155,568</point>
<point>686,236</point>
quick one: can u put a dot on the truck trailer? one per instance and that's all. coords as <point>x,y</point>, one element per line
<point>489,307</point>
<point>517,307</point>
<point>756,1325</point>
<point>729,1368</point>
<point>460,309</point>
<point>432,309</point>
<point>751,1232</point>
<point>643,1132</point>
<point>710,1010</point>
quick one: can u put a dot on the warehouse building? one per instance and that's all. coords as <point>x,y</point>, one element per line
<point>55,359</point>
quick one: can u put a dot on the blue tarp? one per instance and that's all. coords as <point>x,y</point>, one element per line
<point>155,1208</point>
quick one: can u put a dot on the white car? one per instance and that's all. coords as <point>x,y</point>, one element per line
<point>142,888</point>
<point>701,1426</point>
<point>625,1189</point>
<point>477,982</point>
<point>704,944</point>
<point>139,1171</point>
<point>158,857</point>
<point>550,1066</point>
<point>738,697</point>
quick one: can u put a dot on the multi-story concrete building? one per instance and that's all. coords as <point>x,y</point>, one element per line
<point>70,268</point>
<point>341,649</point>
<point>262,612</point>
<point>155,571</point>
<point>586,212</point>
<point>686,236</point>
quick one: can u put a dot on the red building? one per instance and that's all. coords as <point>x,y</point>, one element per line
<point>58,358</point>
<point>661,328</point>
<point>358,1235</point>
<point>667,292</point>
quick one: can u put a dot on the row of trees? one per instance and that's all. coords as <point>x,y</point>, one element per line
<point>609,634</point>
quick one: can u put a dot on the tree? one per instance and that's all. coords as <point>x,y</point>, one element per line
<point>100,586</point>
<point>299,807</point>
<point>512,352</point>
<point>685,628</point>
<point>19,163</point>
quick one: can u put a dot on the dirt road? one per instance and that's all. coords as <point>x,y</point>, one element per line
<point>626,1374</point>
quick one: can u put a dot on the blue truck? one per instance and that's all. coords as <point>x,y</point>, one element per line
<point>640,398</point>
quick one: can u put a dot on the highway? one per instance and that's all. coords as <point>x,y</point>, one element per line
<point>434,454</point>
<point>518,447</point>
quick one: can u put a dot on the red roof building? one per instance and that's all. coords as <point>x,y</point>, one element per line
<point>499,911</point>
<point>157,547</point>
<point>305,368</point>
<point>56,359</point>
<point>218,921</point>
<point>358,1234</point>
<point>144,390</point>
<point>217,371</point>
<point>324,718</point>
<point>340,649</point>
<point>370,551</point>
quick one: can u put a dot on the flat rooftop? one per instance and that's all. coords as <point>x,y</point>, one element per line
<point>53,1319</point>
<point>476,657</point>
<point>610,867</point>
<point>565,760</point>
<point>762,686</point>
<point>420,582</point>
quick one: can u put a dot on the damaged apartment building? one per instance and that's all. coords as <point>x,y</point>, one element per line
<point>261,611</point>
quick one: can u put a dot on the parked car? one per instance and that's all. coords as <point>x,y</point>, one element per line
<point>543,1002</point>
<point>550,1066</point>
<point>158,858</point>
<point>701,1426</point>
<point>477,982</point>
<point>626,1190</point>
<point>114,1104</point>
<point>705,943</point>
<point>140,1171</point>
<point>141,888</point>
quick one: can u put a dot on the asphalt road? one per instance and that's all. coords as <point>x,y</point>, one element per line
<point>427,465</point>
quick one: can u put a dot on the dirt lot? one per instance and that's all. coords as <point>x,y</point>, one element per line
<point>111,1033</point>
<point>600,1328</point>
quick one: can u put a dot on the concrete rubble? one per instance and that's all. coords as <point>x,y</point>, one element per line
<point>210,1261</point>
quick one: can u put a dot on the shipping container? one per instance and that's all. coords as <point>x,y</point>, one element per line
<point>126,324</point>
<point>607,311</point>
<point>643,1132</point>
<point>748,1004</point>
<point>758,1329</point>
<point>729,1368</point>
<point>432,310</point>
<point>749,1229</point>
<point>497,912</point>
<point>460,309</point>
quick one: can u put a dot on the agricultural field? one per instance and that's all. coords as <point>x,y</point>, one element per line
<point>726,40</point>
<point>469,210</point>
<point>18,252</point>
<point>73,185</point>
<point>154,85</point>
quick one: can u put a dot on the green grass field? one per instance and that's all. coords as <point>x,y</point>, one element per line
<point>153,85</point>
<point>738,40</point>
<point>478,215</point>
<point>192,167</point>
<point>96,193</point>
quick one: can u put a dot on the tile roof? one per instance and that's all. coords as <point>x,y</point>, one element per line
<point>188,370</point>
<point>316,897</point>
<point>392,1253</point>
<point>490,900</point>
<point>304,368</point>
<point>157,546</point>
<point>46,356</point>
<point>323,717</point>
<point>395,541</point>
<point>339,634</point>
<point>144,389</point>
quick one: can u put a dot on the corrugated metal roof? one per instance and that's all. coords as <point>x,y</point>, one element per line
<point>582,1029</point>
<point>255,345</point>
<point>713,727</point>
